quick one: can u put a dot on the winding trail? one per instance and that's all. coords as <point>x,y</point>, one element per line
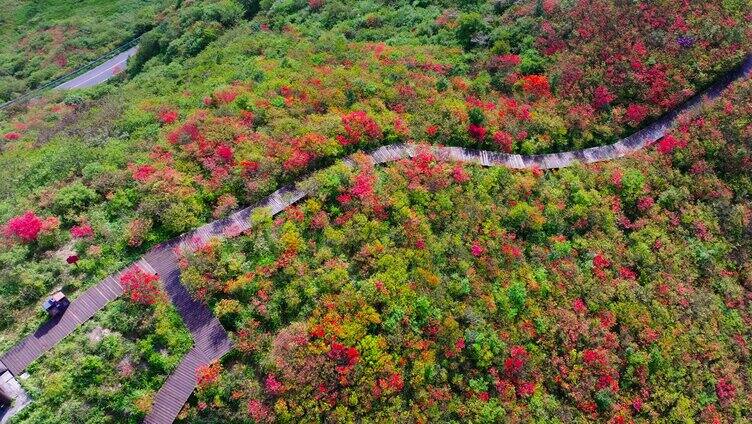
<point>211,341</point>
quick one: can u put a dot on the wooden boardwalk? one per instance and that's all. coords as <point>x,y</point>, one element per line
<point>211,341</point>
<point>50,333</point>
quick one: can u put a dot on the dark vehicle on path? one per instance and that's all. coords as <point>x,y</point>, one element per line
<point>56,304</point>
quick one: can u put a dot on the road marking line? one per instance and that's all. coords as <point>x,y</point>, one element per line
<point>96,75</point>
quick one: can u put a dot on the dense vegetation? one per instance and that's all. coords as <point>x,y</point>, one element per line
<point>41,40</point>
<point>433,292</point>
<point>109,370</point>
<point>227,100</point>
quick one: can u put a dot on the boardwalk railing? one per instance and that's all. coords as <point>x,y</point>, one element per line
<point>71,75</point>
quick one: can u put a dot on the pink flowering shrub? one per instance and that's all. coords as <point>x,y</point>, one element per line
<point>25,228</point>
<point>82,231</point>
<point>12,136</point>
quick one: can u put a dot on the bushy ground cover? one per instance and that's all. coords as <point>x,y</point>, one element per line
<point>223,107</point>
<point>429,291</point>
<point>603,67</point>
<point>109,369</point>
<point>43,40</point>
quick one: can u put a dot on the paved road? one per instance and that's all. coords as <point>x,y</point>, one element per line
<point>101,73</point>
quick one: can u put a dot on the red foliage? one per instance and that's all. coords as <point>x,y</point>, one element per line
<point>11,136</point>
<point>536,85</point>
<point>187,133</point>
<point>25,227</point>
<point>595,358</point>
<point>400,127</point>
<point>298,160</point>
<point>526,388</point>
<point>504,140</point>
<point>600,261</point>
<point>627,273</point>
<point>225,153</point>
<point>459,174</point>
<point>226,96</point>
<point>477,132</point>
<point>273,386</point>
<point>636,113</point>
<point>347,356</point>
<point>259,412</point>
<point>139,286</point>
<point>725,390</point>
<point>358,128</point>
<point>579,306</point>
<point>616,177</point>
<point>602,97</point>
<point>668,143</point>
<point>315,4</point>
<point>208,374</point>
<point>82,231</point>
<point>141,173</point>
<point>645,203</point>
<point>249,166</point>
<point>168,116</point>
<point>518,356</point>
<point>363,186</point>
<point>476,249</point>
<point>505,61</point>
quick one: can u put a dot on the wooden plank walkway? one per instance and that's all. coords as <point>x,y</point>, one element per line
<point>50,333</point>
<point>211,341</point>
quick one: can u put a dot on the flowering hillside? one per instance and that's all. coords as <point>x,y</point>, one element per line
<point>425,290</point>
<point>428,291</point>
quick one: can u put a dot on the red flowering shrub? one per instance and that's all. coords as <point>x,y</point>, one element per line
<point>259,412</point>
<point>208,375</point>
<point>12,136</point>
<point>168,116</point>
<point>272,385</point>
<point>636,113</point>
<point>226,96</point>
<point>363,186</point>
<point>725,390</point>
<point>668,143</point>
<point>141,173</point>
<point>225,153</point>
<point>359,128</point>
<point>476,249</point>
<point>82,231</point>
<point>518,356</point>
<point>477,132</point>
<point>24,227</point>
<point>602,97</point>
<point>140,287</point>
<point>506,61</point>
<point>460,175</point>
<point>504,140</point>
<point>536,85</point>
